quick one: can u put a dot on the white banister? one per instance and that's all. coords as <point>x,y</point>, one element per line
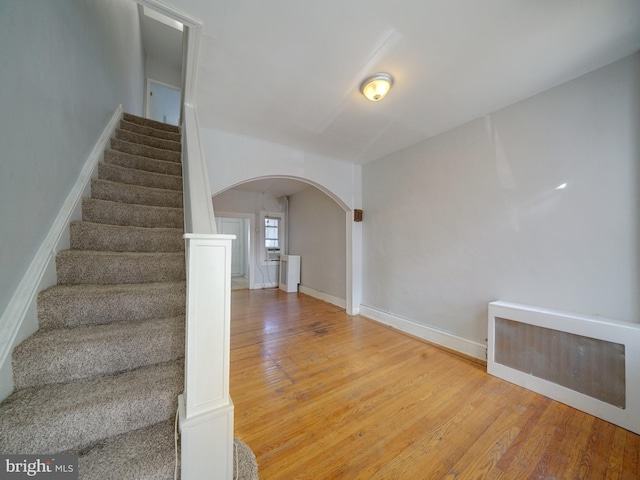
<point>205,407</point>
<point>199,216</point>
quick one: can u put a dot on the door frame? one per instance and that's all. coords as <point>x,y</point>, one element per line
<point>250,247</point>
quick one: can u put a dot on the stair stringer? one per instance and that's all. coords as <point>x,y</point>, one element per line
<point>20,319</point>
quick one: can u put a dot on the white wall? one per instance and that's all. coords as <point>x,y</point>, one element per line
<point>162,72</point>
<point>65,66</point>
<point>317,232</point>
<point>234,159</point>
<point>252,203</point>
<point>473,215</point>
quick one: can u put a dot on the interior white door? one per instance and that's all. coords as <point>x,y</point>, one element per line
<point>163,102</point>
<point>234,226</point>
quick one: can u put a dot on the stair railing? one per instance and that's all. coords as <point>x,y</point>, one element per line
<point>205,408</point>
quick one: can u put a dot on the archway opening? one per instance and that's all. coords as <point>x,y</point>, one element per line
<point>313,226</point>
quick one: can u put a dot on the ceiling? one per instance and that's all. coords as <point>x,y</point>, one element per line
<point>288,72</point>
<point>160,40</point>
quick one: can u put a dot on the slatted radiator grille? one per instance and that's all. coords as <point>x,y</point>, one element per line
<point>589,363</point>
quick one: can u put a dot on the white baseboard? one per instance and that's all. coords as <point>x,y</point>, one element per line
<point>312,292</point>
<point>258,286</point>
<point>468,347</point>
<point>20,319</point>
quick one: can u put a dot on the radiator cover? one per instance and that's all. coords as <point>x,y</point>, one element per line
<point>589,363</point>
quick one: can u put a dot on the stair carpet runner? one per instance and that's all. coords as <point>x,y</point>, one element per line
<point>101,376</point>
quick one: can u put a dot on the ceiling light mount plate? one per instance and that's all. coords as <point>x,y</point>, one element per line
<point>376,86</point>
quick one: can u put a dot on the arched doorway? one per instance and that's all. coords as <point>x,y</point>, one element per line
<point>317,227</point>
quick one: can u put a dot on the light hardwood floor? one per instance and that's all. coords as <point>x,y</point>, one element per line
<point>322,395</point>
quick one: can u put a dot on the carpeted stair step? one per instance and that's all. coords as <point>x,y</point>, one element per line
<point>68,354</point>
<point>116,173</point>
<point>144,150</point>
<point>133,137</point>
<point>150,131</point>
<point>117,238</point>
<point>73,305</point>
<point>122,159</point>
<point>149,454</point>
<point>115,213</point>
<point>88,266</point>
<point>135,194</point>
<point>128,117</point>
<point>63,416</point>
<point>144,454</point>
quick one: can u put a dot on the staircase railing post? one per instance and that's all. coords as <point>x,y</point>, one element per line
<point>205,408</point>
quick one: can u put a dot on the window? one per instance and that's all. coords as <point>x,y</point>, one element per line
<point>271,232</point>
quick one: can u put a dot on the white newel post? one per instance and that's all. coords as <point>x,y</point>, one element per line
<point>206,409</point>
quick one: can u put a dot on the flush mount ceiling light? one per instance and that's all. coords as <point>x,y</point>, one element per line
<point>376,86</point>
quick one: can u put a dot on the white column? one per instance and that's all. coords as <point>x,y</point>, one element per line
<point>206,409</point>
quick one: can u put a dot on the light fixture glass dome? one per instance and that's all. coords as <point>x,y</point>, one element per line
<point>376,86</point>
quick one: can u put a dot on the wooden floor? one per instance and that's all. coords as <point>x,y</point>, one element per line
<point>322,395</point>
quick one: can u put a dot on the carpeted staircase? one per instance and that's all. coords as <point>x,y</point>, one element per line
<point>101,376</point>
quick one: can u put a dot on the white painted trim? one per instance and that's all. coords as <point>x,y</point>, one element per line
<point>206,448</point>
<point>206,443</point>
<point>354,263</point>
<point>259,286</point>
<point>625,333</point>
<point>325,297</point>
<point>192,43</point>
<point>208,260</point>
<point>431,334</point>
<point>19,319</point>
<point>281,237</point>
<point>197,192</point>
<point>350,282</point>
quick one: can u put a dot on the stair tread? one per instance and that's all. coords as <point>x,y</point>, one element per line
<point>90,304</point>
<point>145,150</point>
<point>116,157</point>
<point>141,139</point>
<point>127,214</point>
<point>135,194</point>
<point>150,131</point>
<point>58,417</point>
<point>107,267</point>
<point>125,238</point>
<point>107,253</point>
<point>100,289</point>
<point>135,176</point>
<point>132,205</point>
<point>130,228</point>
<point>144,454</point>
<point>147,121</point>
<point>68,354</point>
